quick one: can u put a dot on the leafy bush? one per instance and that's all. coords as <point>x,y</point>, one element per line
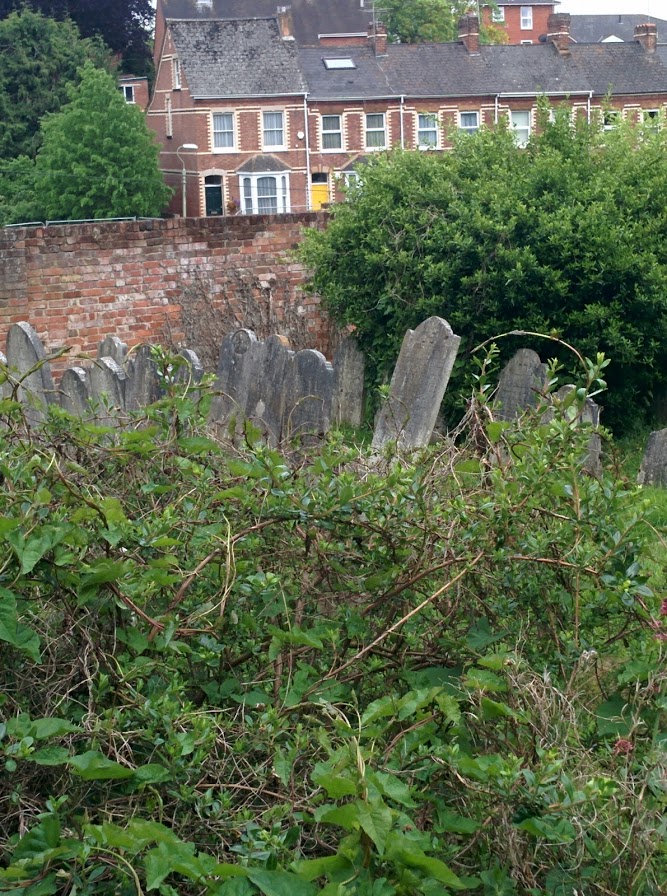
<point>236,671</point>
<point>564,237</point>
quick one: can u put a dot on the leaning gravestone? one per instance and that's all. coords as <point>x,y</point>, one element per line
<point>26,353</point>
<point>308,393</point>
<point>653,469</point>
<point>192,372</point>
<point>418,385</point>
<point>347,405</point>
<point>521,381</point>
<point>75,392</point>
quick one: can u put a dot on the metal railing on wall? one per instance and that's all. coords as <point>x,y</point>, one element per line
<point>80,221</point>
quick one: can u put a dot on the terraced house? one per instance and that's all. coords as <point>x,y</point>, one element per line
<point>276,112</point>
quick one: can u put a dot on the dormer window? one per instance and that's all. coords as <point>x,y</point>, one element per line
<point>340,63</point>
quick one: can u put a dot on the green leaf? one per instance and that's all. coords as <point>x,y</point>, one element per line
<point>43,837</point>
<point>281,883</point>
<point>50,756</point>
<point>311,869</point>
<point>375,820</point>
<point>153,773</point>
<point>401,850</point>
<point>52,727</point>
<point>93,766</point>
<point>346,817</point>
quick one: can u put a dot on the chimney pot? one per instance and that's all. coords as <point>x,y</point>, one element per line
<point>377,38</point>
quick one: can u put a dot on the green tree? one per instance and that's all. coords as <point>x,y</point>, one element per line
<point>39,58</point>
<point>419,21</point>
<point>98,158</point>
<point>567,235</point>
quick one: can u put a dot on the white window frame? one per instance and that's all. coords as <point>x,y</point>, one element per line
<point>525,43</point>
<point>269,144</point>
<point>498,15</point>
<point>428,124</point>
<point>253,195</point>
<point>331,132</point>
<point>176,73</point>
<point>375,130</point>
<point>611,118</point>
<point>526,18</point>
<point>521,132</point>
<point>223,131</point>
<point>652,118</point>
<point>468,128</point>
<point>128,93</point>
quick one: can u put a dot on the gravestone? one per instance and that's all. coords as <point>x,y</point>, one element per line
<point>112,347</point>
<point>347,405</point>
<point>142,386</point>
<point>653,469</point>
<point>107,390</point>
<point>26,353</point>
<point>75,392</point>
<point>308,394</point>
<point>265,404</point>
<point>235,373</point>
<point>521,381</point>
<point>418,385</point>
<point>191,372</point>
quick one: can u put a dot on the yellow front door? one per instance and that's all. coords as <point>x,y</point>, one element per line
<point>319,192</point>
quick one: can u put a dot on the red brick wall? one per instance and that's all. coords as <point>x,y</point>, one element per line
<point>78,283</point>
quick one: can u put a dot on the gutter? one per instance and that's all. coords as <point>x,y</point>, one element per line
<point>307,148</point>
<point>401,119</point>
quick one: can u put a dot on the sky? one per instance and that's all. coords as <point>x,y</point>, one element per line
<point>657,8</point>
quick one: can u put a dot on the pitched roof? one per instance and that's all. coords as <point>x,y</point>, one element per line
<point>595,29</point>
<point>442,70</point>
<point>310,18</point>
<point>239,58</point>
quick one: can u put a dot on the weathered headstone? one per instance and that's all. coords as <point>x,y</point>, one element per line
<point>347,405</point>
<point>112,347</point>
<point>142,386</point>
<point>107,390</point>
<point>193,371</point>
<point>236,370</point>
<point>521,381</point>
<point>265,402</point>
<point>75,392</point>
<point>653,469</point>
<point>308,394</point>
<point>26,353</point>
<point>418,385</point>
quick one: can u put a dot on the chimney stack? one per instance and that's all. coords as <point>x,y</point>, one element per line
<point>469,33</point>
<point>558,31</point>
<point>285,23</point>
<point>377,38</point>
<point>647,35</point>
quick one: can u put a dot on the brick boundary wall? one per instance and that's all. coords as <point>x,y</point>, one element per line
<point>78,283</point>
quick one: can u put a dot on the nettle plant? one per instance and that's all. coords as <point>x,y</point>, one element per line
<point>235,670</point>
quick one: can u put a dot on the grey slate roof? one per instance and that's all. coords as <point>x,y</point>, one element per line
<point>240,58</point>
<point>593,29</point>
<point>310,17</point>
<point>442,70</point>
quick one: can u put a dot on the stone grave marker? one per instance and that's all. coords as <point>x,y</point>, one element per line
<point>236,369</point>
<point>521,381</point>
<point>25,352</point>
<point>75,391</point>
<point>347,405</point>
<point>265,404</point>
<point>418,385</point>
<point>112,347</point>
<point>308,395</point>
<point>590,413</point>
<point>107,390</point>
<point>653,469</point>
<point>142,386</point>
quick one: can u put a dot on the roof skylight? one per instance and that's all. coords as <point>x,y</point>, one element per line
<point>340,62</point>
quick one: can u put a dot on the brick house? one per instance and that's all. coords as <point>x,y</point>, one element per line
<point>524,23</point>
<point>275,113</point>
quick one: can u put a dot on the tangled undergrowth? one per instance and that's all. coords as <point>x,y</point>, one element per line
<point>233,670</point>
